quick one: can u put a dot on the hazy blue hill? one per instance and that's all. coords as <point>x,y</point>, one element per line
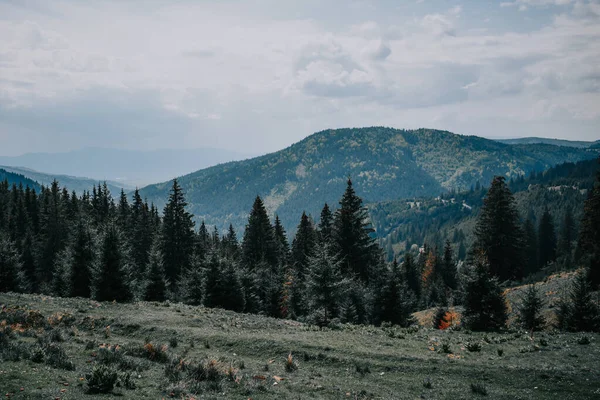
<point>384,164</point>
<point>78,184</point>
<point>131,167</point>
<point>17,179</point>
<point>556,142</point>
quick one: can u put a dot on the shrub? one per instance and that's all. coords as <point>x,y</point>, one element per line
<point>102,379</point>
<point>500,352</point>
<point>446,348</point>
<point>126,381</point>
<point>474,347</point>
<point>427,383</point>
<point>363,369</point>
<point>479,388</point>
<point>173,342</point>
<point>583,340</point>
<point>57,357</point>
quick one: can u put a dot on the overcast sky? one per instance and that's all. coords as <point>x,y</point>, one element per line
<point>256,76</point>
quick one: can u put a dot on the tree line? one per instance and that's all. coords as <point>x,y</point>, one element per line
<point>94,246</point>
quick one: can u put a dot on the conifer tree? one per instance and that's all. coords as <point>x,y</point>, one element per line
<point>449,267</point>
<point>142,234</point>
<point>303,247</point>
<point>281,242</point>
<point>567,236</point>
<point>192,282</point>
<point>30,281</point>
<point>531,247</point>
<point>156,286</point>
<point>530,310</point>
<point>82,258</point>
<point>112,279</point>
<point>547,240</point>
<point>325,284</point>
<point>412,275</point>
<point>498,233</point>
<point>61,277</point>
<point>213,284</point>
<point>233,296</point>
<point>589,234</point>
<point>230,244</point>
<point>325,227</point>
<point>203,242</point>
<point>124,214</point>
<point>485,307</point>
<point>357,250</point>
<point>579,312</point>
<point>259,244</point>
<point>177,236</point>
<point>398,303</point>
<point>10,265</point>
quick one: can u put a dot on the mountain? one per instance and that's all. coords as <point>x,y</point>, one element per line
<point>403,223</point>
<point>18,179</point>
<point>78,184</point>
<point>133,168</point>
<point>384,164</point>
<point>555,142</point>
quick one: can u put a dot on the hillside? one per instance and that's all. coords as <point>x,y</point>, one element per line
<point>555,142</point>
<point>78,184</point>
<point>164,350</point>
<point>128,167</point>
<point>402,223</point>
<point>18,179</point>
<point>384,164</point>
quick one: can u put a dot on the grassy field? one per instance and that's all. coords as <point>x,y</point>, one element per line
<point>179,351</point>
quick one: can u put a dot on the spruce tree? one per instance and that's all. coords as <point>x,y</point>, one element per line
<point>283,247</point>
<point>398,301</point>
<point>485,307</point>
<point>547,240</point>
<point>325,227</point>
<point>498,233</point>
<point>231,246</point>
<point>325,284</point>
<point>214,291</point>
<point>233,292</point>
<point>530,310</point>
<point>156,286</point>
<point>82,257</point>
<point>177,236</point>
<point>449,267</point>
<point>579,312</point>
<point>30,281</point>
<point>192,282</point>
<point>259,244</point>
<point>589,234</point>
<point>203,242</point>
<point>567,236</point>
<point>10,265</point>
<point>357,250</point>
<point>531,247</point>
<point>112,279</point>
<point>412,275</point>
<point>303,247</point>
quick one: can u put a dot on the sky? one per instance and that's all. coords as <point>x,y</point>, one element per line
<point>255,76</point>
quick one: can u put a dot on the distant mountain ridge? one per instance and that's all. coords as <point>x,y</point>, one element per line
<point>556,142</point>
<point>127,167</point>
<point>78,184</point>
<point>384,164</point>
<point>18,179</point>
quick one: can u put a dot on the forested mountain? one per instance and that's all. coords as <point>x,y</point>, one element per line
<point>130,167</point>
<point>555,142</point>
<point>17,179</point>
<point>405,223</point>
<point>78,184</point>
<point>384,163</point>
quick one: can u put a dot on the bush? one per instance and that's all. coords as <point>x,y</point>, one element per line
<point>57,357</point>
<point>102,379</point>
<point>583,340</point>
<point>446,348</point>
<point>479,388</point>
<point>500,352</point>
<point>363,369</point>
<point>427,383</point>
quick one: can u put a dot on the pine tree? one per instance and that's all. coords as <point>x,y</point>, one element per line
<point>213,284</point>
<point>567,236</point>
<point>230,244</point>
<point>449,267</point>
<point>303,247</point>
<point>82,258</point>
<point>530,310</point>
<point>30,281</point>
<point>192,282</point>
<point>124,214</point>
<point>498,232</point>
<point>142,235</point>
<point>485,307</point>
<point>531,247</point>
<point>112,279</point>
<point>61,277</point>
<point>177,236</point>
<point>547,240</point>
<point>10,265</point>
<point>412,275</point>
<point>589,233</point>
<point>325,227</point>
<point>325,284</point>
<point>203,242</point>
<point>398,301</point>
<point>156,286</point>
<point>357,250</point>
<point>233,295</point>
<point>579,312</point>
<point>259,244</point>
<point>283,248</point>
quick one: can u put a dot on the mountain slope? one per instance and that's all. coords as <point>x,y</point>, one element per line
<point>131,167</point>
<point>384,164</point>
<point>78,184</point>
<point>18,179</point>
<point>555,142</point>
